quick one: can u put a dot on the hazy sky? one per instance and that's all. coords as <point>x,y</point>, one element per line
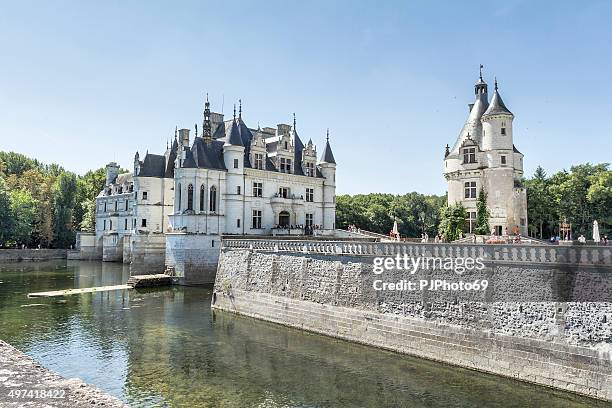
<point>84,83</point>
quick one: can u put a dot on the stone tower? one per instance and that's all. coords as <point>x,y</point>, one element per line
<point>484,156</point>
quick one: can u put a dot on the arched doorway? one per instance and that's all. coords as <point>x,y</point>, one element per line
<point>283,219</point>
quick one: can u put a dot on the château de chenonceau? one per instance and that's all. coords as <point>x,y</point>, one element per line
<point>172,210</point>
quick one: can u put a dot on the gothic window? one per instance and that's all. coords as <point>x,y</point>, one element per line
<point>110,224</point>
<point>126,205</point>
<point>105,206</point>
<point>256,224</point>
<point>469,155</point>
<point>286,146</point>
<point>470,189</point>
<point>202,197</point>
<point>257,189</point>
<point>104,225</point>
<point>180,193</point>
<point>259,161</point>
<point>213,199</point>
<point>125,227</point>
<point>310,195</point>
<point>190,197</point>
<point>116,205</point>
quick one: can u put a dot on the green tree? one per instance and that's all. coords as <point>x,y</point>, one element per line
<point>452,221</point>
<point>64,195</point>
<point>599,196</point>
<point>482,214</point>
<point>23,213</point>
<point>6,221</point>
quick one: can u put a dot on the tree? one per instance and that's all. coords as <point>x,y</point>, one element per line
<point>64,196</point>
<point>6,221</point>
<point>482,214</point>
<point>599,196</point>
<point>23,213</point>
<point>452,221</point>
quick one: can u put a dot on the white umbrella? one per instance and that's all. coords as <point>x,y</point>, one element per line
<point>596,232</point>
<point>395,231</point>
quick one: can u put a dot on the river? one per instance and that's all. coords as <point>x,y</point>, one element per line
<point>166,348</point>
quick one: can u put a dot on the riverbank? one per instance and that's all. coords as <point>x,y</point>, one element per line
<point>24,382</point>
<point>11,255</point>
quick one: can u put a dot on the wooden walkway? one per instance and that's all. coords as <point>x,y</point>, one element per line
<point>67,292</point>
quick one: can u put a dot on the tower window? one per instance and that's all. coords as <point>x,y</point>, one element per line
<point>202,197</point>
<point>143,223</point>
<point>238,223</point>
<point>238,190</point>
<point>503,131</point>
<point>236,163</point>
<point>144,195</point>
<point>469,155</point>
<point>470,189</point>
<point>503,159</point>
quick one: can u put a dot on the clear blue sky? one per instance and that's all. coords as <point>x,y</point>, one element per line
<point>84,83</point>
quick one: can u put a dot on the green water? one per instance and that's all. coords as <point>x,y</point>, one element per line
<point>167,348</point>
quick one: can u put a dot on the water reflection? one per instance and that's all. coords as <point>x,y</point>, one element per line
<point>167,348</point>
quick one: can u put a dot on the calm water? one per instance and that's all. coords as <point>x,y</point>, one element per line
<point>166,348</point>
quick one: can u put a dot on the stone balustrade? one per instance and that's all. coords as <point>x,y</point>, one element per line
<point>545,254</point>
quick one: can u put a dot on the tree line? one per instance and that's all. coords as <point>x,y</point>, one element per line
<point>580,196</point>
<point>44,204</point>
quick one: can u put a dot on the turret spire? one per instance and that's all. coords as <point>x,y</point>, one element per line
<point>240,108</point>
<point>294,121</point>
<point>496,83</point>
<point>481,67</point>
<point>206,126</point>
<point>196,130</point>
<point>234,111</point>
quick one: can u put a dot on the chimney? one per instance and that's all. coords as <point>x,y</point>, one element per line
<point>216,119</point>
<point>112,171</point>
<point>184,137</point>
<point>283,129</point>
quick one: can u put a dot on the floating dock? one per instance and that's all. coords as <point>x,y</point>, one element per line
<point>135,281</point>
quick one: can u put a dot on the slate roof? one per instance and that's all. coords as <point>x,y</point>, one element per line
<point>205,155</point>
<point>496,106</point>
<point>234,138</point>
<point>328,156</point>
<point>515,150</point>
<point>153,165</point>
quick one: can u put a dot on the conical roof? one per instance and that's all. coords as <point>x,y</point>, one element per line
<point>234,137</point>
<point>497,106</point>
<point>328,156</point>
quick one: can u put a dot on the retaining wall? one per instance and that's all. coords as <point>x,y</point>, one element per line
<point>7,255</point>
<point>327,288</point>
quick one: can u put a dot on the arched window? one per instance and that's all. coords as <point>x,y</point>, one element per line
<point>190,197</point>
<point>202,197</point>
<point>213,199</point>
<point>179,196</point>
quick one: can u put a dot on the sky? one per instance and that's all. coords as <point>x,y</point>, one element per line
<point>84,83</point>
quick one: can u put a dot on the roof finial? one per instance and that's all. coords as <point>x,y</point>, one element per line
<point>496,83</point>
<point>327,138</point>
<point>234,111</point>
<point>166,143</point>
<point>196,130</point>
<point>481,67</point>
<point>206,96</point>
<point>240,108</point>
<point>175,131</point>
<point>294,121</point>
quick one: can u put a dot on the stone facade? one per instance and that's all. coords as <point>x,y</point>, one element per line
<point>326,287</point>
<point>484,156</point>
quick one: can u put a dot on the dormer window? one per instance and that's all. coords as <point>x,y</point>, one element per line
<point>285,165</point>
<point>469,155</point>
<point>310,171</point>
<point>286,146</point>
<point>259,160</point>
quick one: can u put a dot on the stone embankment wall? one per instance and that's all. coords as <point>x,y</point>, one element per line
<point>145,253</point>
<point>192,258</point>
<point>20,373</point>
<point>7,255</point>
<point>327,288</point>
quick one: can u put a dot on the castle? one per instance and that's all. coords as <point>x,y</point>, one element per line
<point>484,156</point>
<point>172,210</point>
